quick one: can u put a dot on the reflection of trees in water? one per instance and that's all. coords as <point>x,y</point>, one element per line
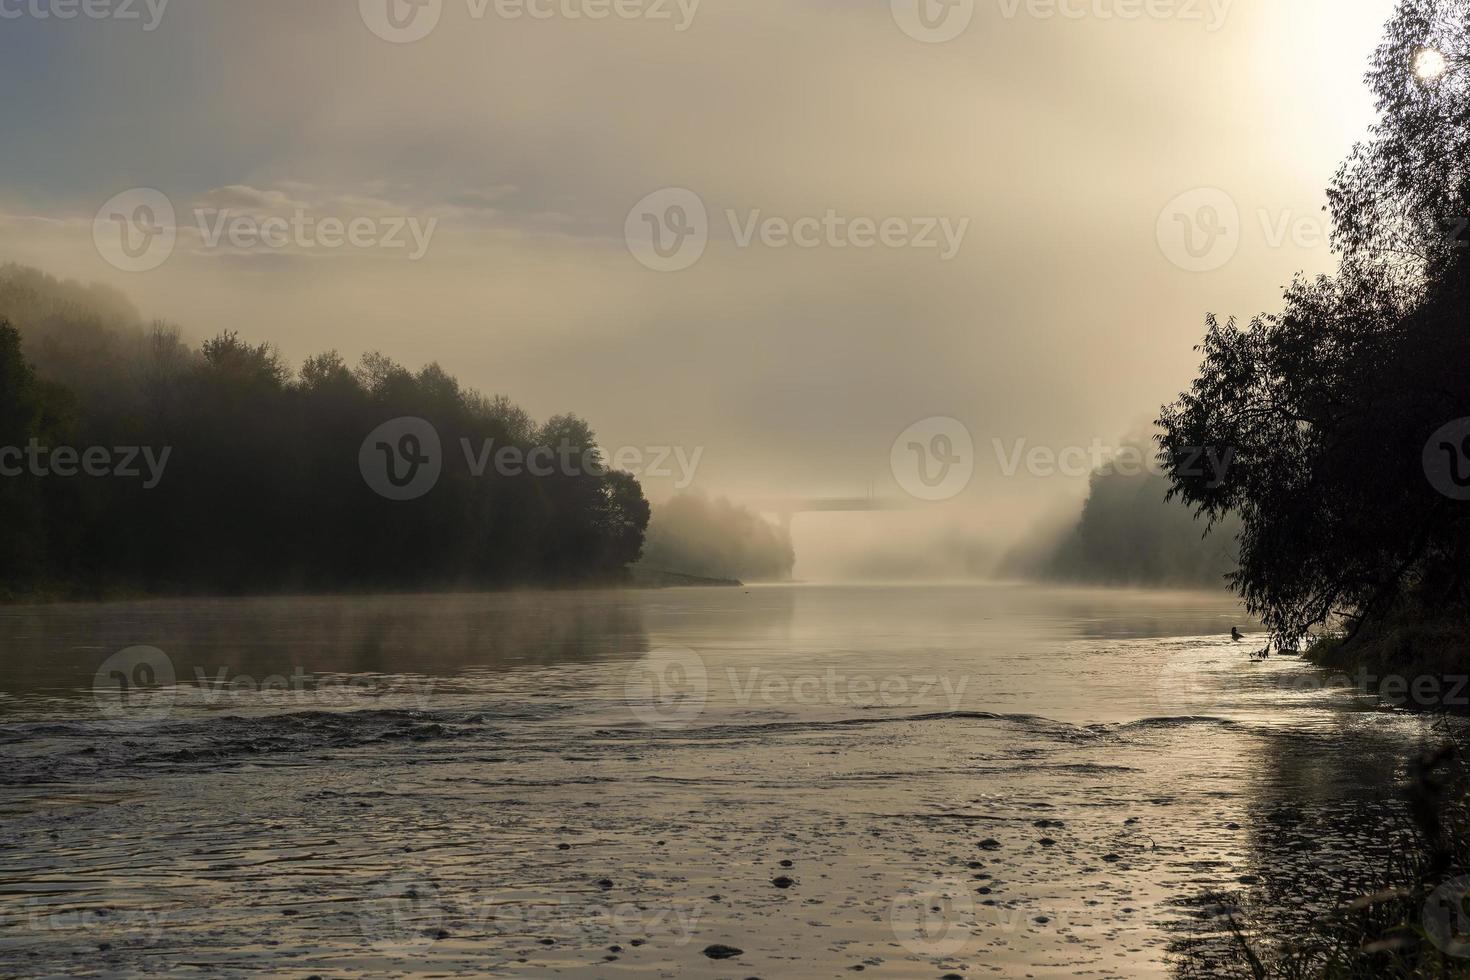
<point>1095,614</point>
<point>58,649</point>
<point>1326,823</point>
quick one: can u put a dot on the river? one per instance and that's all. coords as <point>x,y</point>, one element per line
<point>901,781</point>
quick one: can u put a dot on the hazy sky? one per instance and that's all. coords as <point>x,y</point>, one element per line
<point>1054,143</point>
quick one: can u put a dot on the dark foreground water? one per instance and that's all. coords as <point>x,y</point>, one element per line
<point>899,781</point>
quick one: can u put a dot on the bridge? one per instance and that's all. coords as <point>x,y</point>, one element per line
<point>785,508</point>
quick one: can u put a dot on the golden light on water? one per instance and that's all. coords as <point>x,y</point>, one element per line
<point>1430,64</point>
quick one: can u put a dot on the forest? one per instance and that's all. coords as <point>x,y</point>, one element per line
<point>255,484</point>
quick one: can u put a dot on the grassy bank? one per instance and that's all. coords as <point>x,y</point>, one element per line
<point>1416,656</point>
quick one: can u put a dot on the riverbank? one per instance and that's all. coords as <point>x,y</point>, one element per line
<point>1416,657</point>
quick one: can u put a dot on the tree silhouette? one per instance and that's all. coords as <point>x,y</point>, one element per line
<point>263,491</point>
<point>1327,407</point>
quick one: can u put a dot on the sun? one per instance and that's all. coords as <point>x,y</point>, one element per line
<point>1430,64</point>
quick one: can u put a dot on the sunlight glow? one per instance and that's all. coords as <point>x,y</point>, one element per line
<point>1430,64</point>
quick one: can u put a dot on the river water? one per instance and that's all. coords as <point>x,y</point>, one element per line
<point>903,781</point>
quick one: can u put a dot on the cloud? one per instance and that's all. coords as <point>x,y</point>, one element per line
<point>243,196</point>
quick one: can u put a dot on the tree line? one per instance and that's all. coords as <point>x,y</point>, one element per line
<point>263,490</point>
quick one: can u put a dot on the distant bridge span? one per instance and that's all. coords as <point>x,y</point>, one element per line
<point>785,508</point>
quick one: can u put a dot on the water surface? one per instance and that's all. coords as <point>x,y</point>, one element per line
<point>914,780</point>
